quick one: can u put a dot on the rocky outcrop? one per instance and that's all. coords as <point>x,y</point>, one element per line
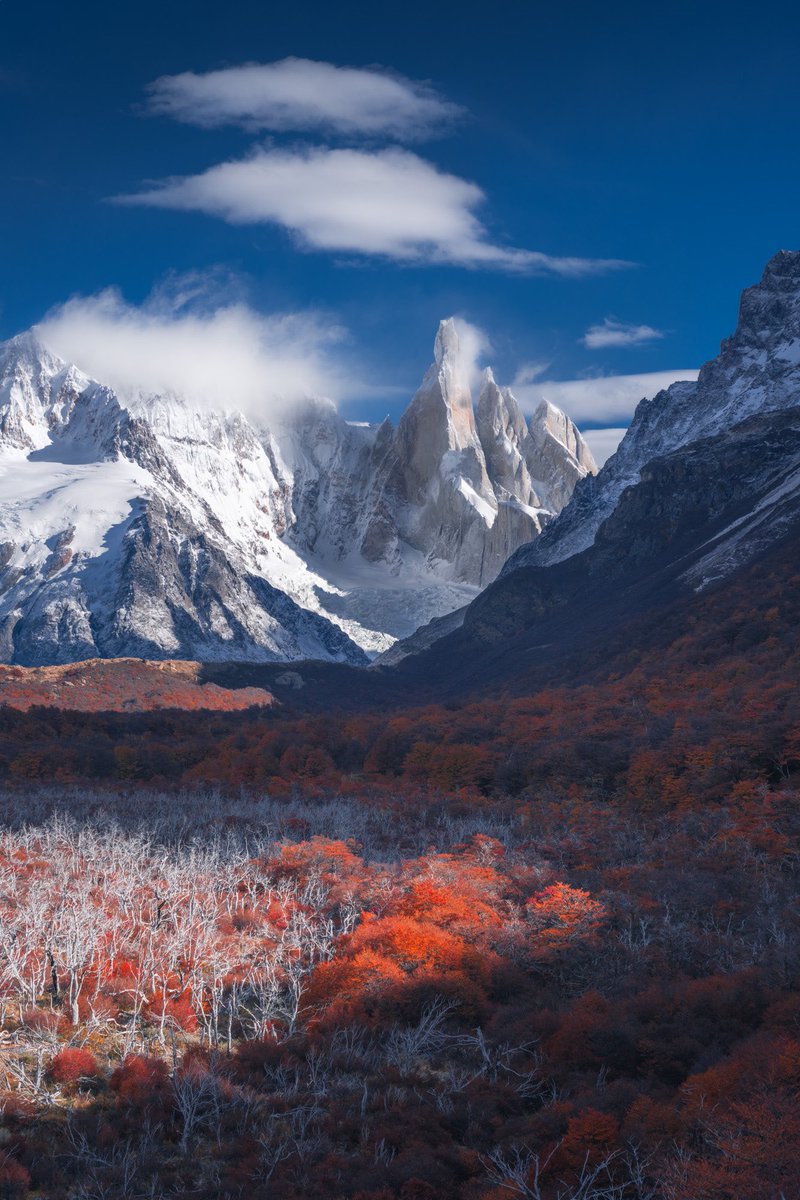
<point>722,449</point>
<point>756,371</point>
<point>704,518</point>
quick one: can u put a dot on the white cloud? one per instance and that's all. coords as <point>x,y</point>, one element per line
<point>388,203</point>
<point>616,333</point>
<point>298,94</point>
<point>603,442</point>
<point>229,357</point>
<point>528,372</point>
<point>606,399</point>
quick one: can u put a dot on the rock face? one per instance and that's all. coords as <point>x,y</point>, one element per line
<point>465,485</point>
<point>717,515</point>
<point>756,371</point>
<point>700,518</point>
<point>727,443</point>
<point>163,530</point>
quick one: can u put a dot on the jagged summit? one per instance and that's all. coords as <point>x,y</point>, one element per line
<point>706,481</point>
<point>162,529</point>
<point>447,343</point>
<point>37,391</point>
<point>782,271</point>
<point>441,410</point>
<point>437,433</point>
<point>756,371</point>
<point>28,346</point>
<point>474,483</point>
<point>504,435</point>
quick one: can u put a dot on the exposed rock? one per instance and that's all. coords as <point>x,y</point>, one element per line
<point>756,371</point>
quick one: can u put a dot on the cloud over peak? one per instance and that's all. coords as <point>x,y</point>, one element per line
<point>388,203</point>
<point>617,334</point>
<point>299,94</point>
<point>177,342</point>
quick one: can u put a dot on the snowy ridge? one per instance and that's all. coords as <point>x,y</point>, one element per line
<point>163,530</point>
<point>756,371</point>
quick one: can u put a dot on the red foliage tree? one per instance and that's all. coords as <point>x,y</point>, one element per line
<point>72,1065</point>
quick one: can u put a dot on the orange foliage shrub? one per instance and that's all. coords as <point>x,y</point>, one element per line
<point>177,1011</point>
<point>561,914</point>
<point>391,957</point>
<point>589,1137</point>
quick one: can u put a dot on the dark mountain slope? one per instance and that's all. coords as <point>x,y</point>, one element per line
<point>696,520</point>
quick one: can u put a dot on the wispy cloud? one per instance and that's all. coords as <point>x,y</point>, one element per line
<point>604,400</point>
<point>387,203</point>
<point>529,372</point>
<point>299,94</point>
<point>603,442</point>
<point>229,357</point>
<point>471,345</point>
<point>616,333</point>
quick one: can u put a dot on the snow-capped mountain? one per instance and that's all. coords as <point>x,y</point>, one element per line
<point>738,403</point>
<point>756,371</point>
<point>161,529</point>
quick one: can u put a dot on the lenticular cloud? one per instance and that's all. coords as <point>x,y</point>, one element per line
<point>388,203</point>
<point>385,202</point>
<point>299,94</point>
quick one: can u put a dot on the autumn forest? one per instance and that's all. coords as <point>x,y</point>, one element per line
<point>541,945</point>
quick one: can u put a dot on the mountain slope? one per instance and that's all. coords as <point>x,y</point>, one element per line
<point>657,526</point>
<point>163,530</point>
<point>756,371</point>
<point>696,522</point>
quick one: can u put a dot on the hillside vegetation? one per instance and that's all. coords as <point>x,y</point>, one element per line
<point>541,946</point>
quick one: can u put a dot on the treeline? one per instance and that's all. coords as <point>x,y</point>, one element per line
<point>666,735</point>
<point>704,707</point>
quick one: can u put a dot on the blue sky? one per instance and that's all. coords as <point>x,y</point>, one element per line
<point>662,136</point>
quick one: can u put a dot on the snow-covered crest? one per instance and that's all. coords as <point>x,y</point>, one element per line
<point>756,371</point>
<point>171,528</point>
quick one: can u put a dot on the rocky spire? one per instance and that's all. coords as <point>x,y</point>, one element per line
<point>503,434</point>
<point>37,391</point>
<point>166,528</point>
<point>439,424</point>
